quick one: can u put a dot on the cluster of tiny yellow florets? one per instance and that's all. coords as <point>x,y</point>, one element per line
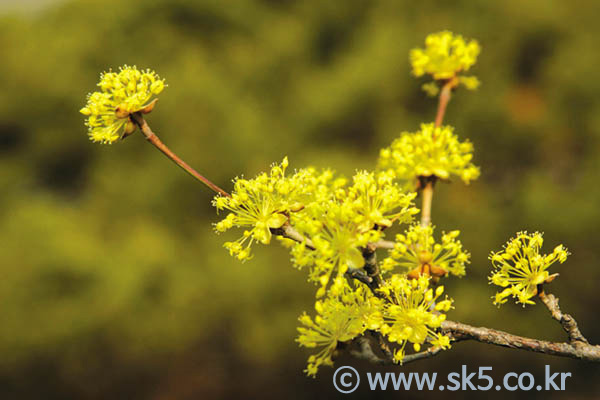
<point>378,201</point>
<point>341,316</point>
<point>444,57</point>
<point>260,205</point>
<point>412,313</point>
<point>346,222</point>
<point>339,218</point>
<point>431,151</point>
<point>121,93</point>
<point>416,252</point>
<point>337,238</point>
<point>521,269</point>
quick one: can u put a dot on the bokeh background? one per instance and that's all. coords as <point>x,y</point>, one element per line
<point>112,282</point>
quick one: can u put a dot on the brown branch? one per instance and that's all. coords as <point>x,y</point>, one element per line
<point>139,120</point>
<point>384,346</point>
<point>430,352</point>
<point>460,332</point>
<point>288,231</point>
<point>579,350</point>
<point>567,321</point>
<point>372,268</point>
<point>444,98</point>
<point>427,195</point>
<point>360,276</point>
<point>365,352</point>
<point>445,95</point>
<point>383,244</point>
<point>426,183</point>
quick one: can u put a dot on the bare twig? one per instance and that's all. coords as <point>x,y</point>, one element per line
<point>360,276</point>
<point>567,321</point>
<point>288,231</point>
<point>427,195</point>
<point>365,352</point>
<point>139,120</point>
<point>372,268</point>
<point>383,344</point>
<point>430,352</point>
<point>579,350</point>
<point>426,183</point>
<point>444,98</point>
<point>457,331</point>
<point>384,244</point>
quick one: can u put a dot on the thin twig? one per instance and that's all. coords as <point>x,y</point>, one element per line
<point>360,276</point>
<point>579,350</point>
<point>384,244</point>
<point>430,352</point>
<point>383,344</point>
<point>444,98</point>
<point>427,183</point>
<point>372,268</point>
<point>139,120</point>
<point>288,231</point>
<point>566,321</point>
<point>458,331</point>
<point>365,352</point>
<point>427,196</point>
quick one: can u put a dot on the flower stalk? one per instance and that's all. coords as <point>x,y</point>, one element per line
<point>141,123</point>
<point>427,191</point>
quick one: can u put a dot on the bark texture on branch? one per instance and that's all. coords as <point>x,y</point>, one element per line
<point>579,350</point>
<point>567,321</point>
<point>460,332</point>
<point>288,231</point>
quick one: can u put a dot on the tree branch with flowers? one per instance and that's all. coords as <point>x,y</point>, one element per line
<point>388,311</point>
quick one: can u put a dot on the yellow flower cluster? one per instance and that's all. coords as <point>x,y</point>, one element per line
<point>337,239</point>
<point>343,222</point>
<point>429,152</point>
<point>520,268</point>
<point>340,219</point>
<point>444,57</point>
<point>340,317</point>
<point>378,201</point>
<point>260,204</point>
<point>120,94</point>
<point>412,313</point>
<point>417,253</point>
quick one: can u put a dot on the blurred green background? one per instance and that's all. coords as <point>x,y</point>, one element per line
<point>113,284</point>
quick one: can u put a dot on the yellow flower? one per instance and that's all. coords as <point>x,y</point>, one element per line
<point>417,252</point>
<point>379,201</point>
<point>338,218</point>
<point>520,268</point>
<point>444,57</point>
<point>261,204</point>
<point>412,313</point>
<point>120,94</point>
<point>429,152</point>
<point>340,317</point>
<point>341,221</point>
<point>338,237</point>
